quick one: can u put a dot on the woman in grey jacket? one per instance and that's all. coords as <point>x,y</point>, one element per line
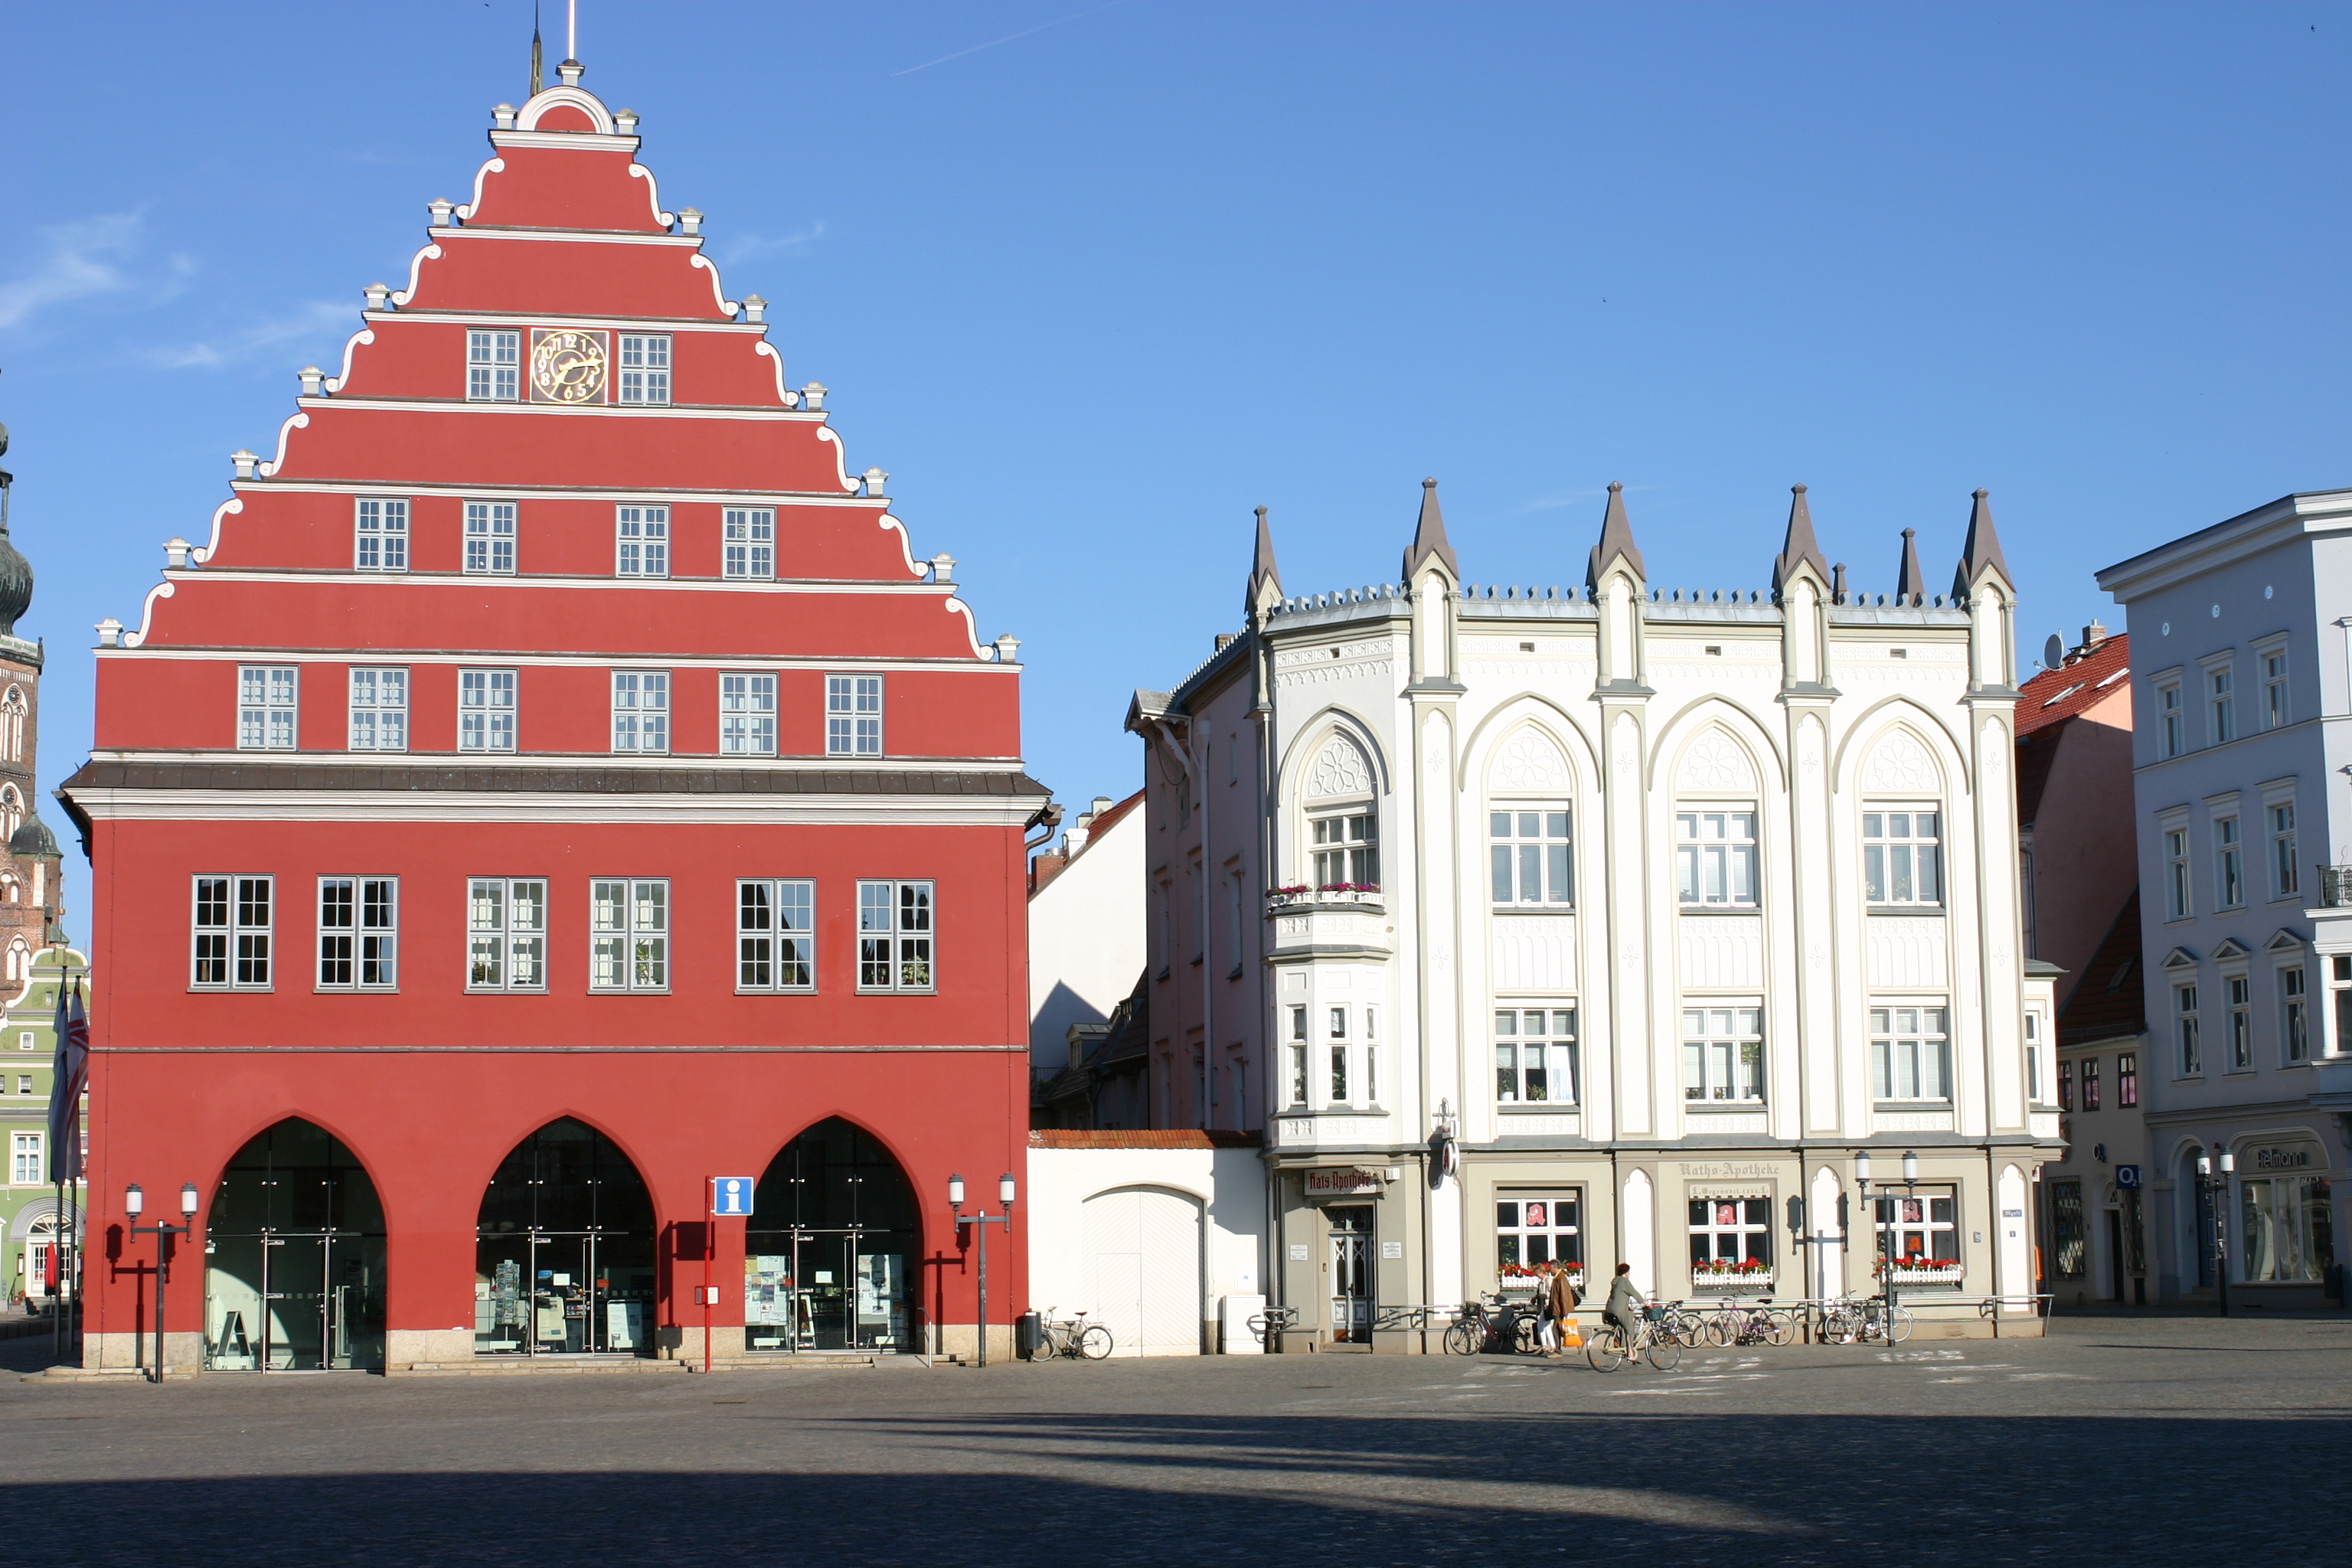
<point>1626,1303</point>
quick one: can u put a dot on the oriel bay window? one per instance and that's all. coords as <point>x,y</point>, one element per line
<point>1730,1236</point>
<point>628,925</point>
<point>1715,857</point>
<point>1910,1053</point>
<point>1723,1056</point>
<point>1535,1056</point>
<point>358,933</point>
<point>232,932</point>
<point>1529,857</point>
<point>1348,850</point>
<point>506,934</point>
<point>1902,855</point>
<point>1296,1047</point>
<point>894,936</point>
<point>775,935</point>
<point>1535,1228</point>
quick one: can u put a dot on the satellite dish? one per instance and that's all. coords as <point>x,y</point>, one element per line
<point>2054,652</point>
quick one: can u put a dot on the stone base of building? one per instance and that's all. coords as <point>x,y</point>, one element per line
<point>182,1352</point>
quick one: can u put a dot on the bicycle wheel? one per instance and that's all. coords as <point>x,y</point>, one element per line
<point>1902,1330</point>
<point>1528,1338</point>
<point>1095,1343</point>
<point>1462,1339</point>
<point>1605,1349</point>
<point>1779,1327</point>
<point>1720,1330</point>
<point>1839,1326</point>
<point>1664,1354</point>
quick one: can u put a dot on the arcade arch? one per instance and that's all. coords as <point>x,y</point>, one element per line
<point>294,1275</point>
<point>830,1251</point>
<point>563,1250</point>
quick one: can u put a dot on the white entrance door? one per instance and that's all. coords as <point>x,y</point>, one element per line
<point>1143,1270</point>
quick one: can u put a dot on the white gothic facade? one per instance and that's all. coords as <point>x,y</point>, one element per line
<point>1606,923</point>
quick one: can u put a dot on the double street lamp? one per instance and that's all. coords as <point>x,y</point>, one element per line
<point>2215,1186</point>
<point>1886,1247</point>
<point>981,1221</point>
<point>135,1202</point>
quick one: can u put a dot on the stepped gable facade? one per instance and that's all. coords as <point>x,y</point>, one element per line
<point>553,783</point>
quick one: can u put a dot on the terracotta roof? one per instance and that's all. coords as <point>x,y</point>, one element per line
<point>1143,1137</point>
<point>2059,694</point>
<point>1094,828</point>
<point>2110,1000</point>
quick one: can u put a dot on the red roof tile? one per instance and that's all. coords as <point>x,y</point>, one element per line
<point>2058,694</point>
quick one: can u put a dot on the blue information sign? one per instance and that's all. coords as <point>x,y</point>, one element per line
<point>2127,1175</point>
<point>730,1194</point>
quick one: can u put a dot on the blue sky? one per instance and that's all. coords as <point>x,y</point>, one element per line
<point>1093,282</point>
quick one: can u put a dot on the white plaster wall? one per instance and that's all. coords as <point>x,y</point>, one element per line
<point>1085,940</point>
<point>1229,1184</point>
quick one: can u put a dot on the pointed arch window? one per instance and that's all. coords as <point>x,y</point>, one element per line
<point>14,711</point>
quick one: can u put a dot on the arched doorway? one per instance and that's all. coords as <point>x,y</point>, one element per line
<point>1145,1269</point>
<point>294,1258</point>
<point>563,1255</point>
<point>829,1251</point>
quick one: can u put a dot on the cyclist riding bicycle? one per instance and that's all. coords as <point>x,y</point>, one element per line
<point>1626,1304</point>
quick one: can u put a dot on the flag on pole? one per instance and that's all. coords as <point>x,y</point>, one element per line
<point>70,1076</point>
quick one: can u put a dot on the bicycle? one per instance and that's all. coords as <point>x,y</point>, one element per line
<point>1685,1326</point>
<point>1607,1351</point>
<point>1848,1322</point>
<point>1073,1337</point>
<point>1761,1324</point>
<point>1471,1327</point>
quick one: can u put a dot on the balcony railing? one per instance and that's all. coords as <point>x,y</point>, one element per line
<point>1338,896</point>
<point>2336,886</point>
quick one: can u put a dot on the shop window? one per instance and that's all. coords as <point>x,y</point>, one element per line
<point>358,933</point>
<point>1910,1053</point>
<point>493,366</point>
<point>379,536</point>
<point>2066,1230</point>
<point>293,1211</point>
<point>2090,1083</point>
<point>1529,851</point>
<point>2127,1079</point>
<point>852,717</point>
<point>748,542</point>
<point>1728,1233</point>
<point>746,715</point>
<point>1902,855</point>
<point>894,936</point>
<point>628,924</point>
<point>640,710</point>
<point>1347,850</point>
<point>266,707</point>
<point>506,934</point>
<point>2295,1014</point>
<point>1715,858</point>
<point>233,927</point>
<point>1535,1228</point>
<point>564,1260</point>
<point>486,710</point>
<point>831,1253</point>
<point>2286,1228</point>
<point>644,367</point>
<point>1535,1056</point>
<point>1920,1229</point>
<point>641,541</point>
<point>379,710</point>
<point>490,537</point>
<point>1723,1056</point>
<point>775,935</point>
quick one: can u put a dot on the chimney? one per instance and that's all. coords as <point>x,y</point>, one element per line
<point>1102,803</point>
<point>2093,634</point>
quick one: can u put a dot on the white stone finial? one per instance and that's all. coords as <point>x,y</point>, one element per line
<point>943,568</point>
<point>503,116</point>
<point>377,295</point>
<point>176,553</point>
<point>813,395</point>
<point>625,122</point>
<point>689,221</point>
<point>755,309</point>
<point>874,479</point>
<point>569,72</point>
<point>314,381</point>
<point>109,633</point>
<point>245,462</point>
<point>441,207</point>
<point>1008,649</point>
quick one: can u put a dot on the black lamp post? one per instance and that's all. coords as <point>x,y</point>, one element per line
<point>133,1203</point>
<point>2215,1186</point>
<point>982,1221</point>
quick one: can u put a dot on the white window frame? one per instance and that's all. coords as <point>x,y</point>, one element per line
<point>2294,1014</point>
<point>898,936</point>
<point>1344,846</point>
<point>234,951</point>
<point>1898,1218</point>
<point>506,934</point>
<point>2286,873</point>
<point>775,935</point>
<point>2228,861</point>
<point>1718,855</point>
<point>628,934</point>
<point>641,712</point>
<point>747,713</point>
<point>2220,702</point>
<point>379,534</point>
<point>2036,1076</point>
<point>2171,734</point>
<point>2278,693</point>
<point>268,707</point>
<point>1532,856</point>
<point>378,718</point>
<point>2238,1000</point>
<point>1524,1239</point>
<point>640,541</point>
<point>1523,1080</point>
<point>2188,1048</point>
<point>1745,1237</point>
<point>489,706</point>
<point>1910,1051</point>
<point>748,542</point>
<point>358,933</point>
<point>493,366</point>
<point>1339,1052</point>
<point>1726,1046</point>
<point>27,1166</point>
<point>853,715</point>
<point>1903,869</point>
<point>1295,1049</point>
<point>2180,890</point>
<point>490,538</point>
<point>645,368</point>
<point>2126,1080</point>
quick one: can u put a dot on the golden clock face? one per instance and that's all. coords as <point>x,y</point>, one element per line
<point>567,367</point>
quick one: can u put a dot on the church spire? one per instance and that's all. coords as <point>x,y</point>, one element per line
<point>1800,549</point>
<point>536,77</point>
<point>1981,552</point>
<point>1429,536</point>
<point>1264,581</point>
<point>1910,585</point>
<point>1616,541</point>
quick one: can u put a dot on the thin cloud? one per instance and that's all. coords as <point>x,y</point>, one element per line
<point>84,258</point>
<point>1008,38</point>
<point>743,247</point>
<point>305,321</point>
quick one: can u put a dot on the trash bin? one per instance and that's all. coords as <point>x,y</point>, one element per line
<point>1235,1333</point>
<point>1025,1336</point>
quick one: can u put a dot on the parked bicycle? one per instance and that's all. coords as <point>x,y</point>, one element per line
<point>1490,1323</point>
<point>1072,1337</point>
<point>1850,1321</point>
<point>1761,1324</point>
<point>1686,1326</point>
<point>1607,1351</point>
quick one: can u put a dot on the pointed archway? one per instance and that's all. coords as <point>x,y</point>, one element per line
<point>829,1255</point>
<point>294,1275</point>
<point>563,1249</point>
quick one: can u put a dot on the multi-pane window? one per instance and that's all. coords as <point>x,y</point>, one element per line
<point>25,1157</point>
<point>853,715</point>
<point>232,933</point>
<point>1723,1055</point>
<point>1901,857</point>
<point>2222,700</point>
<point>775,936</point>
<point>2241,1022</point>
<point>379,710</point>
<point>2069,1238</point>
<point>506,934</point>
<point>1919,1228</point>
<point>2177,902</point>
<point>358,933</point>
<point>2090,1083</point>
<point>644,367</point>
<point>894,936</point>
<point>1347,850</point>
<point>1715,857</point>
<point>628,931</point>
<point>1910,1053</point>
<point>641,710</point>
<point>2066,1086</point>
<point>2168,718</point>
<point>748,540</point>
<point>746,715</point>
<point>265,707</point>
<point>2127,1079</point>
<point>1297,1049</point>
<point>2285,878</point>
<point>1529,851</point>
<point>486,710</point>
<point>1535,1056</point>
<point>491,536</point>
<point>1336,1032</point>
<point>641,541</point>
<point>1531,1229</point>
<point>2033,1058</point>
<point>1730,1230</point>
<point>2228,863</point>
<point>2190,1053</point>
<point>379,536</point>
<point>493,366</point>
<point>2294,1016</point>
<point>2275,703</point>
<point>2340,983</point>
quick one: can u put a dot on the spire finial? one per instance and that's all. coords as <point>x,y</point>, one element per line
<point>1800,549</point>
<point>1910,585</point>
<point>1616,541</point>
<point>1429,537</point>
<point>1264,581</point>
<point>1982,550</point>
<point>536,77</point>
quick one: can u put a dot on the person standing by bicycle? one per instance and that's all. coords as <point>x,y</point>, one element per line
<point>1626,1304</point>
<point>1559,1306</point>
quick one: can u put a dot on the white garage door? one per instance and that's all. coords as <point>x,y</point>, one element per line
<point>1143,1269</point>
